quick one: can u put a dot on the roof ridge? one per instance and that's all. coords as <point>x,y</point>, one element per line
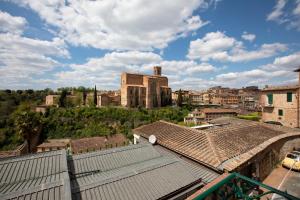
<point>212,146</point>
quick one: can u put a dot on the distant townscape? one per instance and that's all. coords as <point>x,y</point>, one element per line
<point>103,141</point>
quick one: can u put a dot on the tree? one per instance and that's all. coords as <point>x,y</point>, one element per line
<point>62,98</point>
<point>27,125</point>
<point>179,98</point>
<point>95,96</point>
<point>84,94</point>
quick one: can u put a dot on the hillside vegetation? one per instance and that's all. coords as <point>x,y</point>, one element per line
<point>71,122</point>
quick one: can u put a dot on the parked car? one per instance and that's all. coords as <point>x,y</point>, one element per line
<point>292,161</point>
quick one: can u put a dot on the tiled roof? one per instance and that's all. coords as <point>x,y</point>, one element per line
<point>212,146</point>
<point>96,143</point>
<point>132,172</point>
<point>36,176</point>
<point>238,136</point>
<point>186,141</point>
<point>52,144</point>
<point>218,110</point>
<point>231,164</point>
<point>287,87</point>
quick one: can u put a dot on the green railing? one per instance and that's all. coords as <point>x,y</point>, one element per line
<point>236,186</point>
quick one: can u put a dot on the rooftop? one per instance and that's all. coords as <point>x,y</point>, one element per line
<point>84,144</point>
<point>131,172</point>
<point>35,176</point>
<point>215,145</point>
<point>287,87</point>
<point>218,110</point>
<point>136,171</point>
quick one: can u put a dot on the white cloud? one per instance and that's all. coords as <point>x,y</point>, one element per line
<point>289,62</point>
<point>106,71</point>
<point>283,14</point>
<point>217,46</point>
<point>21,58</point>
<point>248,36</point>
<point>254,76</point>
<point>122,25</point>
<point>277,13</point>
<point>11,24</point>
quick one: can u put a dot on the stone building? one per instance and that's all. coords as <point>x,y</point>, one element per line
<point>107,99</point>
<point>281,104</point>
<point>150,91</point>
<point>208,114</point>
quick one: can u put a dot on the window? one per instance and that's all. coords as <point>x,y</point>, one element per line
<point>289,97</point>
<point>270,99</point>
<point>280,112</point>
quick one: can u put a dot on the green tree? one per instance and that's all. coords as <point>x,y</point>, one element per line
<point>95,96</point>
<point>62,98</point>
<point>27,124</point>
<point>84,94</point>
<point>179,98</point>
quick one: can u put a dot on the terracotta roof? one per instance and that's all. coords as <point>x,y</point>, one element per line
<point>52,144</point>
<point>287,87</point>
<point>218,110</point>
<point>233,163</point>
<point>185,141</point>
<point>213,146</point>
<point>238,136</point>
<point>97,143</point>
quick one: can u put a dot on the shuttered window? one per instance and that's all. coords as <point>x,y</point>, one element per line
<point>280,112</point>
<point>270,99</point>
<point>289,97</point>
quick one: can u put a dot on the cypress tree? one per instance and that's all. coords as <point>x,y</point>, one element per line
<point>95,96</point>
<point>179,98</point>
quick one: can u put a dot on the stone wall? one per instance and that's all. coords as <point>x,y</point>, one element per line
<point>270,113</point>
<point>265,161</point>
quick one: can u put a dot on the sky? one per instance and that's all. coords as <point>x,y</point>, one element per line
<point>198,43</point>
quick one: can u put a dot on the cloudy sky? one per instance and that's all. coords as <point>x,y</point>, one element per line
<point>199,43</point>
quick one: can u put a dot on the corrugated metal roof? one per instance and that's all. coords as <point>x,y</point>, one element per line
<point>33,175</point>
<point>133,172</point>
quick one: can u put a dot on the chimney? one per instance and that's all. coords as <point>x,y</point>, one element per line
<point>298,70</point>
<point>157,70</point>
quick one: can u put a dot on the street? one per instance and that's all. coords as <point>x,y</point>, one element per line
<point>285,180</point>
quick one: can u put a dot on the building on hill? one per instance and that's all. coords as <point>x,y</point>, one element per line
<point>148,91</point>
<point>185,96</point>
<point>208,114</point>
<point>107,99</point>
<point>233,145</point>
<point>53,100</point>
<point>281,104</point>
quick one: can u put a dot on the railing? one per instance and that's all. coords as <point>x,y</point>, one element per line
<point>236,186</point>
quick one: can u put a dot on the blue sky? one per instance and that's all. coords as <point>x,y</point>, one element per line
<point>198,43</point>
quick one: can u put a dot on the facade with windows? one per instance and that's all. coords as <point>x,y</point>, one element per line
<point>150,91</point>
<point>280,105</point>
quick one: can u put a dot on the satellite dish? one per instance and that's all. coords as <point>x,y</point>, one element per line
<point>152,139</point>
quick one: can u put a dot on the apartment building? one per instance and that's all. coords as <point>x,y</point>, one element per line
<point>281,104</point>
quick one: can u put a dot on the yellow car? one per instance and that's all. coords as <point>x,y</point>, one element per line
<point>292,161</point>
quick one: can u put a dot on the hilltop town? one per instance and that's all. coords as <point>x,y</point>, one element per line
<point>223,129</point>
<point>149,100</point>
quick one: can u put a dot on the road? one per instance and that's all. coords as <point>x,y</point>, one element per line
<point>284,180</point>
